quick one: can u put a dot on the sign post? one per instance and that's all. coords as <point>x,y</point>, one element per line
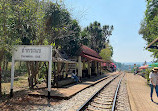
<point>12,78</point>
<point>32,53</point>
<point>49,75</point>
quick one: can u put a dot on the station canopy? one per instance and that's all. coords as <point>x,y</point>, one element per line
<point>90,54</point>
<point>103,64</point>
<point>60,56</point>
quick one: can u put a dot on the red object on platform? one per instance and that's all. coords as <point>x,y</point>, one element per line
<point>0,68</point>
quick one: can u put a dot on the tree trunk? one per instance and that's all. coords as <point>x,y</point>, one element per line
<point>46,74</point>
<point>0,81</point>
<point>29,73</point>
<point>4,62</point>
<point>32,74</point>
<point>33,70</point>
<point>1,59</point>
<point>6,68</point>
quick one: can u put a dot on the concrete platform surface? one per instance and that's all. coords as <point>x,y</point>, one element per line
<point>139,94</point>
<point>71,90</point>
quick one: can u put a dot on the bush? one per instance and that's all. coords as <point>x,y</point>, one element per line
<point>147,71</point>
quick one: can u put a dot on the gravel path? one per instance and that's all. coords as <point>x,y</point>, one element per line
<point>75,102</point>
<point>123,100</point>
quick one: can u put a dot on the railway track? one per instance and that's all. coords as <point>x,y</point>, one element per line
<point>105,98</point>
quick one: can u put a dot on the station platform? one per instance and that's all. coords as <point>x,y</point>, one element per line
<point>139,94</point>
<point>70,90</point>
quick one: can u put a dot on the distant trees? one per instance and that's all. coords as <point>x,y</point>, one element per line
<point>149,26</point>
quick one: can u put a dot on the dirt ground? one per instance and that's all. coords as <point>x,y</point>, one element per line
<point>21,101</point>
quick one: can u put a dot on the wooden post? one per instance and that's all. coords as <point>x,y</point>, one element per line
<point>96,67</point>
<point>89,68</point>
<point>66,69</point>
<point>58,70</point>
<point>79,67</point>
<point>84,65</point>
<point>100,68</point>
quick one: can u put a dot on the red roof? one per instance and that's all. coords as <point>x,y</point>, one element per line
<point>112,63</point>
<point>88,51</point>
<point>103,64</point>
<point>93,58</point>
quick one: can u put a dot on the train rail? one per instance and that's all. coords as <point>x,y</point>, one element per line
<point>105,98</point>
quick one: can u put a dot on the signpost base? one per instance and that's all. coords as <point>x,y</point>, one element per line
<point>48,94</point>
<point>11,93</point>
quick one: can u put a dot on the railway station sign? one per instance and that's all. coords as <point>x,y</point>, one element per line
<point>32,53</point>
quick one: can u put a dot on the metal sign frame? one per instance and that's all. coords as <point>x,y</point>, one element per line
<point>32,50</point>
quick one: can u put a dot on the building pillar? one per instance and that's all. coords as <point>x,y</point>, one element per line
<point>58,70</point>
<point>79,67</point>
<point>84,65</point>
<point>100,68</point>
<point>66,70</point>
<point>96,69</point>
<point>89,68</point>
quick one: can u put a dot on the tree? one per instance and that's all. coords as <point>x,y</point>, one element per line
<point>57,22</point>
<point>107,53</point>
<point>71,43</point>
<point>96,35</point>
<point>29,17</point>
<point>21,23</point>
<point>61,29</point>
<point>6,30</point>
<point>149,26</point>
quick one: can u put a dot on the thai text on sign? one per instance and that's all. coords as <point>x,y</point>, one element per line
<point>32,53</point>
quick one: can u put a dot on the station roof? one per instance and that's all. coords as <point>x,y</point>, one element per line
<point>92,58</point>
<point>90,52</point>
<point>103,64</point>
<point>153,44</point>
<point>59,56</point>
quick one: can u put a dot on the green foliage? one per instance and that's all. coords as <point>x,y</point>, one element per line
<point>106,53</point>
<point>147,71</point>
<point>42,22</point>
<point>61,29</point>
<point>71,43</point>
<point>149,26</point>
<point>96,36</point>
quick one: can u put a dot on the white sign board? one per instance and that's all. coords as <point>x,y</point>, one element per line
<point>32,53</point>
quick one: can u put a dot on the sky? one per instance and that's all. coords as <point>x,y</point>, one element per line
<point>125,16</point>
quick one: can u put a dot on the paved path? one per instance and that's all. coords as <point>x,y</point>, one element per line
<point>139,94</point>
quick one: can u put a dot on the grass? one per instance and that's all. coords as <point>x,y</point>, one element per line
<point>20,83</point>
